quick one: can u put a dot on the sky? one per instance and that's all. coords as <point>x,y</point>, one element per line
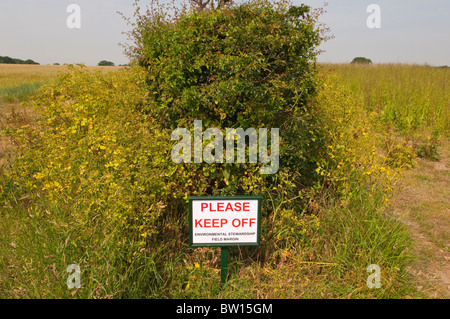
<point>411,31</point>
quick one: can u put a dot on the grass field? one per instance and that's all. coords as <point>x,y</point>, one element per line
<point>414,98</point>
<point>18,81</point>
<point>379,118</point>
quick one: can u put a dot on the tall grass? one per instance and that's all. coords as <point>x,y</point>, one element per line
<point>12,75</point>
<point>19,93</point>
<point>414,99</point>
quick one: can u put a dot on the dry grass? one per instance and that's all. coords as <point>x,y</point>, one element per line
<point>17,74</point>
<point>12,115</point>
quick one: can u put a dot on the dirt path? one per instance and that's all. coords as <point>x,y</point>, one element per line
<point>422,200</point>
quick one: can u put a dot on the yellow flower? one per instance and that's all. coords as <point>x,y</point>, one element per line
<point>38,175</point>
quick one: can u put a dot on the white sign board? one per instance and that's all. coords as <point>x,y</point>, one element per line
<point>224,221</point>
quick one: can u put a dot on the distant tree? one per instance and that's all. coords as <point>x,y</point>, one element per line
<point>7,59</point>
<point>56,63</point>
<point>105,63</point>
<point>361,60</point>
<point>29,62</point>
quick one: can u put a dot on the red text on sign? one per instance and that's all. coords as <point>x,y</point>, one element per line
<point>225,207</point>
<point>217,223</point>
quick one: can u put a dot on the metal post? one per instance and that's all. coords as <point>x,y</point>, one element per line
<point>224,264</point>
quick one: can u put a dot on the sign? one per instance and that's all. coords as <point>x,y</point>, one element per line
<point>224,221</point>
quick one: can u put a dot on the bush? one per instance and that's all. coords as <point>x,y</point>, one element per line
<point>361,60</point>
<point>241,66</point>
<point>90,161</point>
<point>105,63</point>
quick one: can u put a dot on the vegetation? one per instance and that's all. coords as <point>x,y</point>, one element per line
<point>18,82</point>
<point>8,60</point>
<point>105,63</point>
<point>411,100</point>
<point>239,67</point>
<point>361,60</point>
<point>92,182</point>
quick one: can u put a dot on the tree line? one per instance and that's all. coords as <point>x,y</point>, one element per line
<point>8,60</point>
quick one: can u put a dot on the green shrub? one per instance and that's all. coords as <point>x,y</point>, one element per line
<point>241,66</point>
<point>88,170</point>
<point>361,60</point>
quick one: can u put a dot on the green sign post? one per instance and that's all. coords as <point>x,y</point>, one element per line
<point>224,221</point>
<point>224,264</point>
